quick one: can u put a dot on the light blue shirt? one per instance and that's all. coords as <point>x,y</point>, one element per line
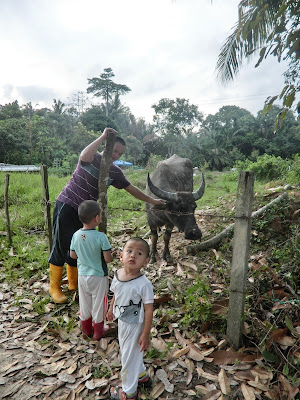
<point>88,244</point>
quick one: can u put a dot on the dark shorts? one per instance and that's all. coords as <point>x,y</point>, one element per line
<point>65,224</point>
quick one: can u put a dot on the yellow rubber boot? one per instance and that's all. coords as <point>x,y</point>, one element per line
<point>72,273</point>
<point>55,282</point>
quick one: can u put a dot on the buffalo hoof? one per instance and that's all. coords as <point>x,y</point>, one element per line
<point>152,260</point>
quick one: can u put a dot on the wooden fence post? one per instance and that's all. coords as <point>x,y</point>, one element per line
<point>239,267</point>
<point>106,161</point>
<point>6,206</point>
<point>47,209</point>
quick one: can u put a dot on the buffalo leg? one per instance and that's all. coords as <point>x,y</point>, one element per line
<point>154,238</point>
<point>167,237</point>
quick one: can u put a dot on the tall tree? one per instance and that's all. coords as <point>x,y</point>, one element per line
<point>272,28</point>
<point>58,106</point>
<point>174,119</point>
<point>104,87</point>
<point>95,119</point>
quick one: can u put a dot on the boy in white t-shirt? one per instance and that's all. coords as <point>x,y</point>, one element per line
<point>132,305</point>
<point>92,250</point>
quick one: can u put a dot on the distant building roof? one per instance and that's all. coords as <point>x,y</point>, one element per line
<point>18,168</point>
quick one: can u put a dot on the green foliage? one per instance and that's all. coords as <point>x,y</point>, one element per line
<point>154,353</point>
<point>104,87</point>
<point>134,150</point>
<point>101,372</point>
<point>56,138</point>
<point>63,322</point>
<point>197,306</point>
<point>174,119</point>
<point>94,119</point>
<point>293,173</point>
<point>266,167</point>
<point>272,27</point>
<point>153,160</point>
<point>38,303</point>
<point>10,110</point>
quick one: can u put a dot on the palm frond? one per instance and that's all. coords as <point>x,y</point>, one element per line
<point>256,21</point>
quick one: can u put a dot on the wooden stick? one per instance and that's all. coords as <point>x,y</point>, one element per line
<point>6,205</point>
<point>106,161</point>
<point>47,210</point>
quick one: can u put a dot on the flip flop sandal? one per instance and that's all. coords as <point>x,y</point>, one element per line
<point>114,394</point>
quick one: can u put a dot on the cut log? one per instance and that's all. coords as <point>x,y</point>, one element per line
<point>214,241</point>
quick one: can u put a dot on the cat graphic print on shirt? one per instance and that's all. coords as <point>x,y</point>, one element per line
<point>130,297</point>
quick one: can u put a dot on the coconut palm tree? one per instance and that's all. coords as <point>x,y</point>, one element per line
<point>272,28</point>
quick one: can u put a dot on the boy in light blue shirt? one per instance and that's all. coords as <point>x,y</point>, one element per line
<point>92,250</point>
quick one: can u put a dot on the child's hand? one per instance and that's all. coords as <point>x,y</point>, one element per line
<point>144,342</point>
<point>110,315</point>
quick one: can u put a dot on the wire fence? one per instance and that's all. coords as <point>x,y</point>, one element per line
<point>153,209</point>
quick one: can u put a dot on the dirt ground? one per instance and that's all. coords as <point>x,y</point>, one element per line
<point>43,356</point>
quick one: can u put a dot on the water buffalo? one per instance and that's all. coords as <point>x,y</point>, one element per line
<point>172,180</point>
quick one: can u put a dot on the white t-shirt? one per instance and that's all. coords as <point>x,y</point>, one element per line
<point>130,297</point>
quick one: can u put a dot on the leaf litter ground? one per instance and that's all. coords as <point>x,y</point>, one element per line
<point>43,355</point>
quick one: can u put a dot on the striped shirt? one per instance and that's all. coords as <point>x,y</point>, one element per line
<point>83,184</point>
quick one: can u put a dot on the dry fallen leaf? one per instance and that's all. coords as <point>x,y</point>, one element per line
<point>262,374</point>
<point>288,388</point>
<point>247,392</point>
<point>72,368</point>
<point>244,375</point>
<point>189,378</point>
<point>71,395</point>
<point>163,376</point>
<point>201,389</point>
<point>189,365</point>
<point>189,392</point>
<point>224,382</point>
<point>8,366</point>
<point>180,271</point>
<point>64,377</point>
<point>157,390</point>
<point>181,352</point>
<point>258,385</point>
<point>286,341</point>
<point>207,375</point>
<point>223,357</point>
<point>159,344</point>
<point>213,395</point>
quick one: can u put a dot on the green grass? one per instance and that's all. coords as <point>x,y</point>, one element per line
<point>125,214</point>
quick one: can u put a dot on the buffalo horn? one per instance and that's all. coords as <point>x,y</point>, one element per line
<point>169,196</point>
<point>199,193</point>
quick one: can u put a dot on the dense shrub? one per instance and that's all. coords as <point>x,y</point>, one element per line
<point>266,167</point>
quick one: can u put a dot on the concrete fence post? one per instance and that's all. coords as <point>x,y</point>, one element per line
<point>239,266</point>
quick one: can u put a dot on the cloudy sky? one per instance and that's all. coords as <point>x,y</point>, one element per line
<point>158,48</point>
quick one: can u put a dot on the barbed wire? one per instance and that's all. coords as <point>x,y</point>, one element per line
<point>179,213</point>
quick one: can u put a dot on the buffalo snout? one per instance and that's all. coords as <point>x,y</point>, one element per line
<point>193,234</point>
